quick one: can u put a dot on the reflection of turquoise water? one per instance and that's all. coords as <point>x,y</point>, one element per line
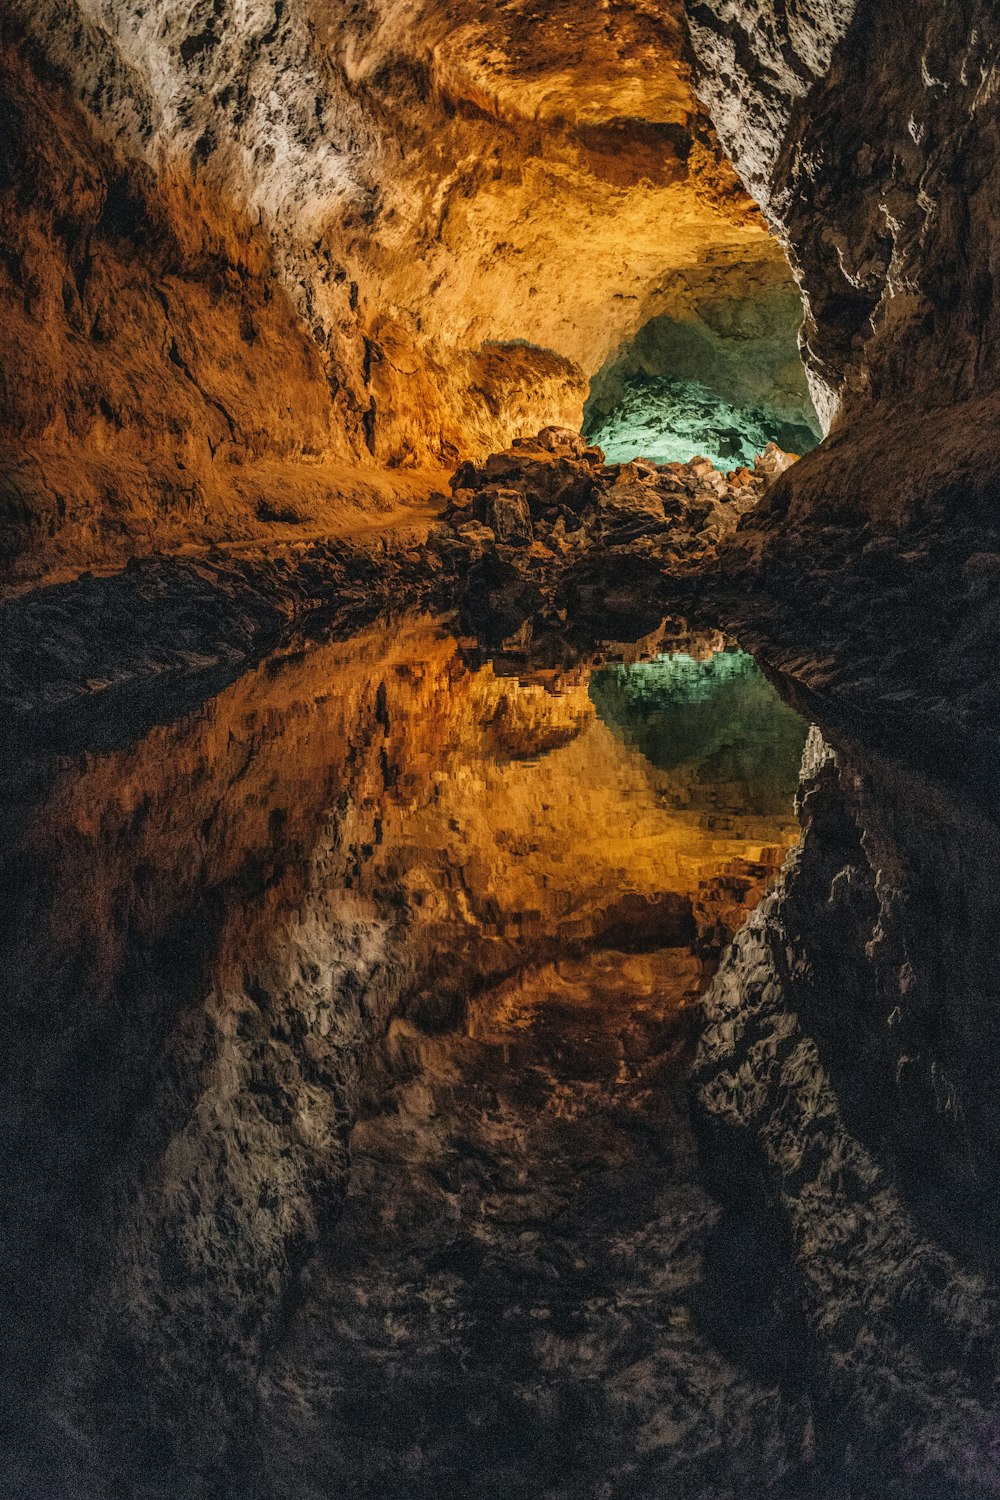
<point>720,717</point>
<point>671,420</point>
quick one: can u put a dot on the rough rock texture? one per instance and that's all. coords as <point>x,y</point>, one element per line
<point>541,540</point>
<point>869,134</point>
<point>546,532</point>
<point>168,626</point>
<point>739,340</point>
<point>845,1080</point>
<point>211,927</point>
<point>243,246</point>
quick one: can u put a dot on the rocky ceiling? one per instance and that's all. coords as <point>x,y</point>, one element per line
<point>246,246</point>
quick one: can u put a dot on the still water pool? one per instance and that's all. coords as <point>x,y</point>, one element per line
<point>347,1147</point>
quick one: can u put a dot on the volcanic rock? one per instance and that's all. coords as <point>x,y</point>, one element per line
<point>602,536</point>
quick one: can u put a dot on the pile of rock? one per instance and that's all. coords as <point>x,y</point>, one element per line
<point>548,525</point>
<point>549,500</point>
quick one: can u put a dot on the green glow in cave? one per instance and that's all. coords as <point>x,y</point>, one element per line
<point>670,420</point>
<point>720,715</point>
<point>718,374</point>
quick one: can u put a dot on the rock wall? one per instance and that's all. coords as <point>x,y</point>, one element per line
<point>250,251</point>
<point>868,133</point>
<point>734,332</point>
<point>845,1087</point>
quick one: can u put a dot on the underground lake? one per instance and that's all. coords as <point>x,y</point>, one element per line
<point>372,1127</point>
<point>499,823</point>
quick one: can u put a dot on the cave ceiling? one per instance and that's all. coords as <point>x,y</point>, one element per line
<point>432,178</point>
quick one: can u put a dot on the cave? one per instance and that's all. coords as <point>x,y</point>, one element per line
<point>500,581</point>
<point>716,373</point>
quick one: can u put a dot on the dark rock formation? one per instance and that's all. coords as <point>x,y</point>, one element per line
<point>169,630</point>
<point>844,1082</point>
<point>868,134</point>
<point>546,532</point>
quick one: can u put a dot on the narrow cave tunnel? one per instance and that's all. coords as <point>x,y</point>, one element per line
<point>500,580</point>
<point>716,373</point>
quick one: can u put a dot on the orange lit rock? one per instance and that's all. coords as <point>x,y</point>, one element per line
<point>248,257</point>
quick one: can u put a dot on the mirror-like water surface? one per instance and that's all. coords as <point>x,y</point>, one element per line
<point>365,1135</point>
<point>382,923</point>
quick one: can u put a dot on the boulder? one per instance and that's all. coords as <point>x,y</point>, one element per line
<point>507,515</point>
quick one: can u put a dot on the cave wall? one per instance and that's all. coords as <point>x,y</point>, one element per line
<point>332,241</point>
<point>868,133</point>
<point>725,334</point>
<point>735,331</point>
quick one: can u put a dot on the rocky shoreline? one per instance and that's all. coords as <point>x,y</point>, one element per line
<point>543,539</point>
<point>543,551</point>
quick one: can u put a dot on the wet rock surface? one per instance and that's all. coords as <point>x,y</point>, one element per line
<point>841,1084</point>
<point>177,628</point>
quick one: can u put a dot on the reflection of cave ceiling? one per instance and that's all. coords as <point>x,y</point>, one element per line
<point>719,723</point>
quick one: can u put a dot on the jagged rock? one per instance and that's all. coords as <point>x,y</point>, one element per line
<point>477,538</point>
<point>871,145</point>
<point>556,491</point>
<point>593,537</point>
<point>506,514</point>
<point>773,461</point>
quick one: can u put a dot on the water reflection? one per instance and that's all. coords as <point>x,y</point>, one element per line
<point>718,714</point>
<point>845,1085</point>
<point>376,924</point>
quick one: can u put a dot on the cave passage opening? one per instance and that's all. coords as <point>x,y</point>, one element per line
<point>716,373</point>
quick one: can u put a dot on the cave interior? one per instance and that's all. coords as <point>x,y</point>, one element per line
<point>500,579</point>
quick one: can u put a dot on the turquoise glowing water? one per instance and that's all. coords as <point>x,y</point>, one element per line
<point>671,420</point>
<point>719,714</point>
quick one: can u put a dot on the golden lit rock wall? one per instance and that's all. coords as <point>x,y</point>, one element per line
<point>313,236</point>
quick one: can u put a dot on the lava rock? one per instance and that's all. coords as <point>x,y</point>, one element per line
<point>550,512</point>
<point>506,514</point>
